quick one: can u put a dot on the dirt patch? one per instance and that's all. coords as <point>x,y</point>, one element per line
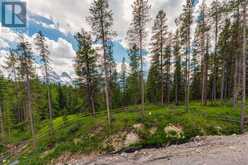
<point>221,150</point>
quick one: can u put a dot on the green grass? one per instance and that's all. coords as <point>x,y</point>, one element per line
<point>77,134</point>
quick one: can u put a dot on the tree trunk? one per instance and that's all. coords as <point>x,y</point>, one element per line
<point>142,75</point>
<point>204,51</point>
<point>51,130</point>
<point>161,63</point>
<point>106,79</point>
<point>243,105</point>
<point>236,88</point>
<point>223,82</point>
<point>2,122</point>
<point>161,72</point>
<point>187,88</point>
<point>29,106</point>
<point>93,106</point>
<point>205,75</point>
<point>50,110</point>
<point>168,81</point>
<point>176,94</point>
<point>215,72</point>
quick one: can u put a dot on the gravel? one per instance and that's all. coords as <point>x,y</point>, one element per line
<point>212,150</point>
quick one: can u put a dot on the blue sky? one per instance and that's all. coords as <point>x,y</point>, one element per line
<point>59,20</point>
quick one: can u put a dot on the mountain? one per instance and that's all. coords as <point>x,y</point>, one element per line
<point>63,79</point>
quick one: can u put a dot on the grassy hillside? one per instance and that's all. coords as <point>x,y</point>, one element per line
<point>85,134</point>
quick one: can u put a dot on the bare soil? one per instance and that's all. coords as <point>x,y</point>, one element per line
<point>212,150</point>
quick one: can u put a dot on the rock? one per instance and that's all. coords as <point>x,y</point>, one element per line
<point>16,162</point>
<point>173,131</point>
<point>116,142</point>
<point>197,139</point>
<point>218,129</point>
<point>138,126</point>
<point>124,155</point>
<point>131,138</point>
<point>77,141</point>
<point>153,130</point>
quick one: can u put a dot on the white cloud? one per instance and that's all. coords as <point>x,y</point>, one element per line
<point>3,44</point>
<point>119,67</point>
<point>62,53</point>
<point>3,54</point>
<point>62,56</point>
<point>69,16</point>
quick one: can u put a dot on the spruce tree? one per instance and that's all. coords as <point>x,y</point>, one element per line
<point>185,32</point>
<point>101,21</point>
<point>137,35</point>
<point>244,60</point>
<point>2,116</point>
<point>133,77</point>
<point>123,82</point>
<point>195,70</point>
<point>159,40</point>
<point>178,77</point>
<point>216,16</point>
<point>26,71</point>
<point>203,28</point>
<point>167,67</point>
<point>86,68</point>
<point>154,80</point>
<point>114,88</point>
<point>42,47</point>
<point>225,54</point>
<point>10,66</point>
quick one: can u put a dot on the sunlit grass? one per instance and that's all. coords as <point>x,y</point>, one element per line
<point>77,133</point>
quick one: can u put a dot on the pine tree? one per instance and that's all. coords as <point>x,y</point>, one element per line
<point>185,30</point>
<point>86,68</point>
<point>167,67</point>
<point>26,71</point>
<point>196,69</point>
<point>114,89</point>
<point>101,21</point>
<point>133,77</point>
<point>202,29</point>
<point>123,82</point>
<point>225,54</point>
<point>237,44</point>
<point>178,68</point>
<point>2,117</point>
<point>154,80</point>
<point>61,99</point>
<point>10,66</point>
<point>159,38</point>
<point>244,59</point>
<point>216,15</point>
<point>42,47</point>
<point>137,35</point>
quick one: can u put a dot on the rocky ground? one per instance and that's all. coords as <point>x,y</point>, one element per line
<point>213,150</point>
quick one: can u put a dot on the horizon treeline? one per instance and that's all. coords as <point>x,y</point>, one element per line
<point>206,63</point>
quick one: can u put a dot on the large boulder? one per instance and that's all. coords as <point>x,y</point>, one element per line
<point>121,140</point>
<point>115,142</point>
<point>131,138</point>
<point>174,131</point>
<point>153,130</point>
<point>139,127</point>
